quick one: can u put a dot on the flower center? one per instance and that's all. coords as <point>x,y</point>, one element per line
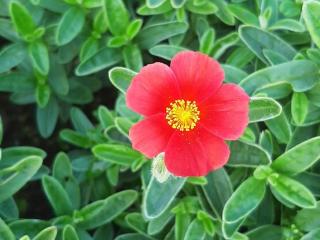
<point>183,115</point>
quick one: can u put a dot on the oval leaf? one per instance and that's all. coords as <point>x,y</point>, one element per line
<point>244,200</point>
<point>103,211</point>
<point>263,108</point>
<point>298,158</point>
<point>70,25</point>
<point>292,191</point>
<point>159,196</point>
<point>301,75</point>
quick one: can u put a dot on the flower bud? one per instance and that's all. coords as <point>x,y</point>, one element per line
<point>158,168</point>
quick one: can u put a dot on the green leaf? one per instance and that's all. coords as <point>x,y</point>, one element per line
<point>240,57</point>
<point>16,176</point>
<point>57,196</point>
<point>39,55</point>
<point>244,15</point>
<point>298,158</point>
<point>134,28</point>
<point>12,155</point>
<point>207,41</point>
<point>269,11</point>
<point>219,184</point>
<point>75,138</point>
<point>157,224</point>
<point>11,56</point>
<point>163,8</point>
<point>123,125</point>
<point>299,107</point>
<point>230,229</point>
<point>159,196</point>
<point>195,231</point>
<point>207,222</point>
<point>31,226</point>
<point>223,12</point>
<point>263,108</point>
<point>62,171</point>
<point>22,19</point>
<point>292,191</point>
<point>92,3</point>
<point>5,232</point>
<point>132,236</point>
<point>89,48</point>
<point>258,40</point>
<point>132,57</point>
<point>247,155</point>
<point>177,3</point>
<point>233,74</point>
<point>7,30</point>
<point>106,57</point>
<point>166,51</point>
<point>153,34</point>
<point>280,127</point>
<point>223,43</point>
<point>1,130</point>
<point>16,82</point>
<point>311,15</point>
<point>266,232</point>
<point>266,141</point>
<point>105,117</point>
<point>273,57</point>
<point>25,237</point>
<point>248,136</point>
<point>69,233</point>
<point>136,222</point>
<point>197,181</point>
<point>117,41</point>
<point>121,78</point>
<point>80,121</point>
<point>205,8</point>
<point>62,168</point>
<point>182,221</point>
<point>117,16</point>
<point>308,219</point>
<point>49,233</point>
<point>57,77</point>
<point>301,75</point>
<point>70,25</point>
<point>118,154</point>
<point>103,211</point>
<point>288,24</point>
<point>277,90</point>
<point>47,118</point>
<point>43,93</point>
<point>244,200</point>
<point>154,3</point>
<point>313,116</point>
<point>310,180</point>
<point>314,234</point>
<point>302,134</point>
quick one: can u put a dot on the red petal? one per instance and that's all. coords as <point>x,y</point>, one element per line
<point>198,75</point>
<point>152,89</point>
<point>195,153</point>
<point>151,135</point>
<point>225,113</point>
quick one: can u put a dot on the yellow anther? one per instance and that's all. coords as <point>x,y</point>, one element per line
<point>183,115</point>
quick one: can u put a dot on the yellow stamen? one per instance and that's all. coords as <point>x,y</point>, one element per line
<point>182,115</point>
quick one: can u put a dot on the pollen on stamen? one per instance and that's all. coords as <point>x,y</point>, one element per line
<point>183,114</point>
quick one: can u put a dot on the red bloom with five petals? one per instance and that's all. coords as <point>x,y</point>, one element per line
<point>188,113</point>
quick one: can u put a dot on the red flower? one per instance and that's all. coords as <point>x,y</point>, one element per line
<point>188,113</point>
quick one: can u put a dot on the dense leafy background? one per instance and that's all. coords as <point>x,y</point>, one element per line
<point>67,170</point>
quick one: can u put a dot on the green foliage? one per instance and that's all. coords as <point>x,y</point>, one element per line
<point>63,62</point>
